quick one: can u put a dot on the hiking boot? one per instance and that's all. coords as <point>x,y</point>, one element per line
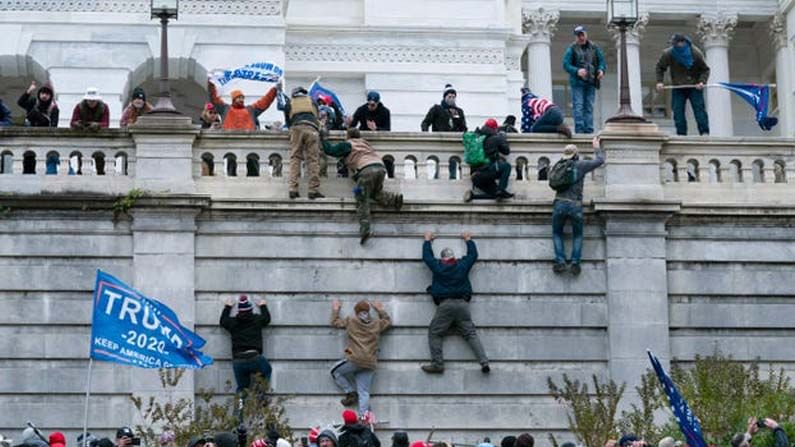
<point>316,195</point>
<point>559,268</point>
<point>399,202</point>
<point>433,369</point>
<point>468,196</point>
<point>485,369</point>
<point>365,237</point>
<point>564,129</point>
<point>575,269</point>
<point>294,195</point>
<point>502,194</point>
<point>350,399</point>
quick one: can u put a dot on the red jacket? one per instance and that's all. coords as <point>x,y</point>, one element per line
<point>241,118</point>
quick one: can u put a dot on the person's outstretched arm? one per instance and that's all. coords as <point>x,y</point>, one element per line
<point>472,250</point>
<point>263,103</point>
<point>227,322</point>
<point>265,315</point>
<point>427,253</point>
<point>336,321</point>
<point>383,318</point>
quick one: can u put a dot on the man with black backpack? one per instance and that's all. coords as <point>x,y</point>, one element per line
<point>492,175</point>
<point>566,178</point>
<point>355,434</point>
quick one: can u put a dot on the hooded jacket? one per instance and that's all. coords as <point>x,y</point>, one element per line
<point>440,119</point>
<point>40,114</point>
<point>362,345</point>
<point>355,434</point>
<point>240,118</point>
<point>680,75</point>
<point>380,115</point>
<point>495,144</point>
<point>356,153</point>
<point>246,329</point>
<point>450,280</point>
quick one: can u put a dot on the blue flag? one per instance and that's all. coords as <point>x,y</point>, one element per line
<point>316,90</point>
<point>255,71</point>
<point>759,98</point>
<point>133,329</point>
<point>688,422</point>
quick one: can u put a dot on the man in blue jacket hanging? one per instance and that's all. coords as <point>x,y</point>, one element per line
<point>585,64</point>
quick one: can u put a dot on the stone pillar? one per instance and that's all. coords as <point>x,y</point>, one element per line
<point>515,48</point>
<point>716,31</point>
<point>634,213</point>
<point>539,25</point>
<point>164,153</point>
<point>634,35</point>
<point>784,78</point>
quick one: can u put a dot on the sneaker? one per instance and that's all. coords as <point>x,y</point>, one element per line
<point>433,369</point>
<point>502,194</point>
<point>350,399</point>
<point>399,202</point>
<point>564,129</point>
<point>365,237</point>
<point>294,195</point>
<point>485,369</point>
<point>468,196</point>
<point>559,268</point>
<point>575,269</point>
<point>316,195</point>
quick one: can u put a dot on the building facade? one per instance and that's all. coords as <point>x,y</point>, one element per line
<point>409,50</point>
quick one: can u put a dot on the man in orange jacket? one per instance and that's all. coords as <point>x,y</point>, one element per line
<point>240,116</point>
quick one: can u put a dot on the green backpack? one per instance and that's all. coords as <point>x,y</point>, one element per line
<point>473,149</point>
<point>563,175</point>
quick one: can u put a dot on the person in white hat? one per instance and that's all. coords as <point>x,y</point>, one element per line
<point>91,113</point>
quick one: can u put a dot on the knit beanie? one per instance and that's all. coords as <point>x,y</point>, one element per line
<point>313,434</point>
<point>491,123</point>
<point>244,304</point>
<point>225,439</point>
<point>329,435</point>
<point>361,306</point>
<point>508,441</point>
<point>627,439</point>
<point>448,88</point>
<point>139,93</point>
<point>400,439</point>
<point>525,440</point>
<point>236,93</point>
<point>28,434</point>
<point>57,439</point>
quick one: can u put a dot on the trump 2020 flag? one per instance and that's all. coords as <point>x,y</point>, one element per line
<point>316,91</point>
<point>688,422</point>
<point>759,98</point>
<point>255,71</point>
<point>136,330</point>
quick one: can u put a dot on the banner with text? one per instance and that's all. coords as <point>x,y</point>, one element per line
<point>257,71</point>
<point>130,328</point>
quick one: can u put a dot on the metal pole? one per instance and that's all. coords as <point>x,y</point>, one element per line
<point>164,104</point>
<point>625,113</point>
<point>88,394</point>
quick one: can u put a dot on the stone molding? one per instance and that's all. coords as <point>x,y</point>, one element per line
<point>778,31</point>
<point>716,30</point>
<point>634,33</point>
<point>540,24</point>
<point>394,54</point>
<point>199,7</point>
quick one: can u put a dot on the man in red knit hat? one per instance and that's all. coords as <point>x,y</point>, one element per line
<point>492,176</point>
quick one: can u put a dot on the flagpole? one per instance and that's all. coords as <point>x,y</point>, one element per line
<point>88,394</point>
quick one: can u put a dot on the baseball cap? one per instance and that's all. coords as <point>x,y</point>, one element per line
<point>579,29</point>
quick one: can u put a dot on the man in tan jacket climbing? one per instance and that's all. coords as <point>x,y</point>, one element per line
<point>361,351</point>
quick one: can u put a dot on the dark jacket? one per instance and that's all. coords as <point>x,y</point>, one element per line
<point>574,192</point>
<point>781,437</point>
<point>357,435</point>
<point>680,75</point>
<point>246,329</point>
<point>5,115</point>
<point>40,114</point>
<point>495,144</point>
<point>83,116</point>
<point>440,119</point>
<point>589,57</point>
<point>381,116</point>
<point>450,280</point>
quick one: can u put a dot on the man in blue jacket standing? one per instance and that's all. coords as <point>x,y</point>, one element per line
<point>585,64</point>
<point>451,292</point>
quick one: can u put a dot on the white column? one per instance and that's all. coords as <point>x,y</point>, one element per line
<point>539,25</point>
<point>634,35</point>
<point>784,87</point>
<point>716,31</point>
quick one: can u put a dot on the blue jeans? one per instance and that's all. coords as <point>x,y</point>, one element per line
<point>548,122</point>
<point>582,97</point>
<point>244,368</point>
<point>678,98</point>
<point>345,370</point>
<point>564,210</point>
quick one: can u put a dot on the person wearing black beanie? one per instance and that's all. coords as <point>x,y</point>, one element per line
<point>445,116</point>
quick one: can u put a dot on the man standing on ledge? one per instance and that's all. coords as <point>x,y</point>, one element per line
<point>585,64</point>
<point>451,292</point>
<point>303,118</point>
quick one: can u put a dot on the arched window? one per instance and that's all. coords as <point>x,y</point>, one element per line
<point>121,163</point>
<point>99,162</point>
<point>53,163</point>
<point>670,174</point>
<point>521,169</point>
<point>692,171</point>
<point>230,165</point>
<point>29,162</point>
<point>208,165</point>
<point>75,163</point>
<point>410,167</point>
<point>758,171</point>
<point>275,165</point>
<point>543,168</point>
<point>252,165</point>
<point>389,163</point>
<point>6,162</point>
<point>714,171</point>
<point>736,171</point>
<point>432,167</point>
<point>454,168</point>
<point>779,171</point>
